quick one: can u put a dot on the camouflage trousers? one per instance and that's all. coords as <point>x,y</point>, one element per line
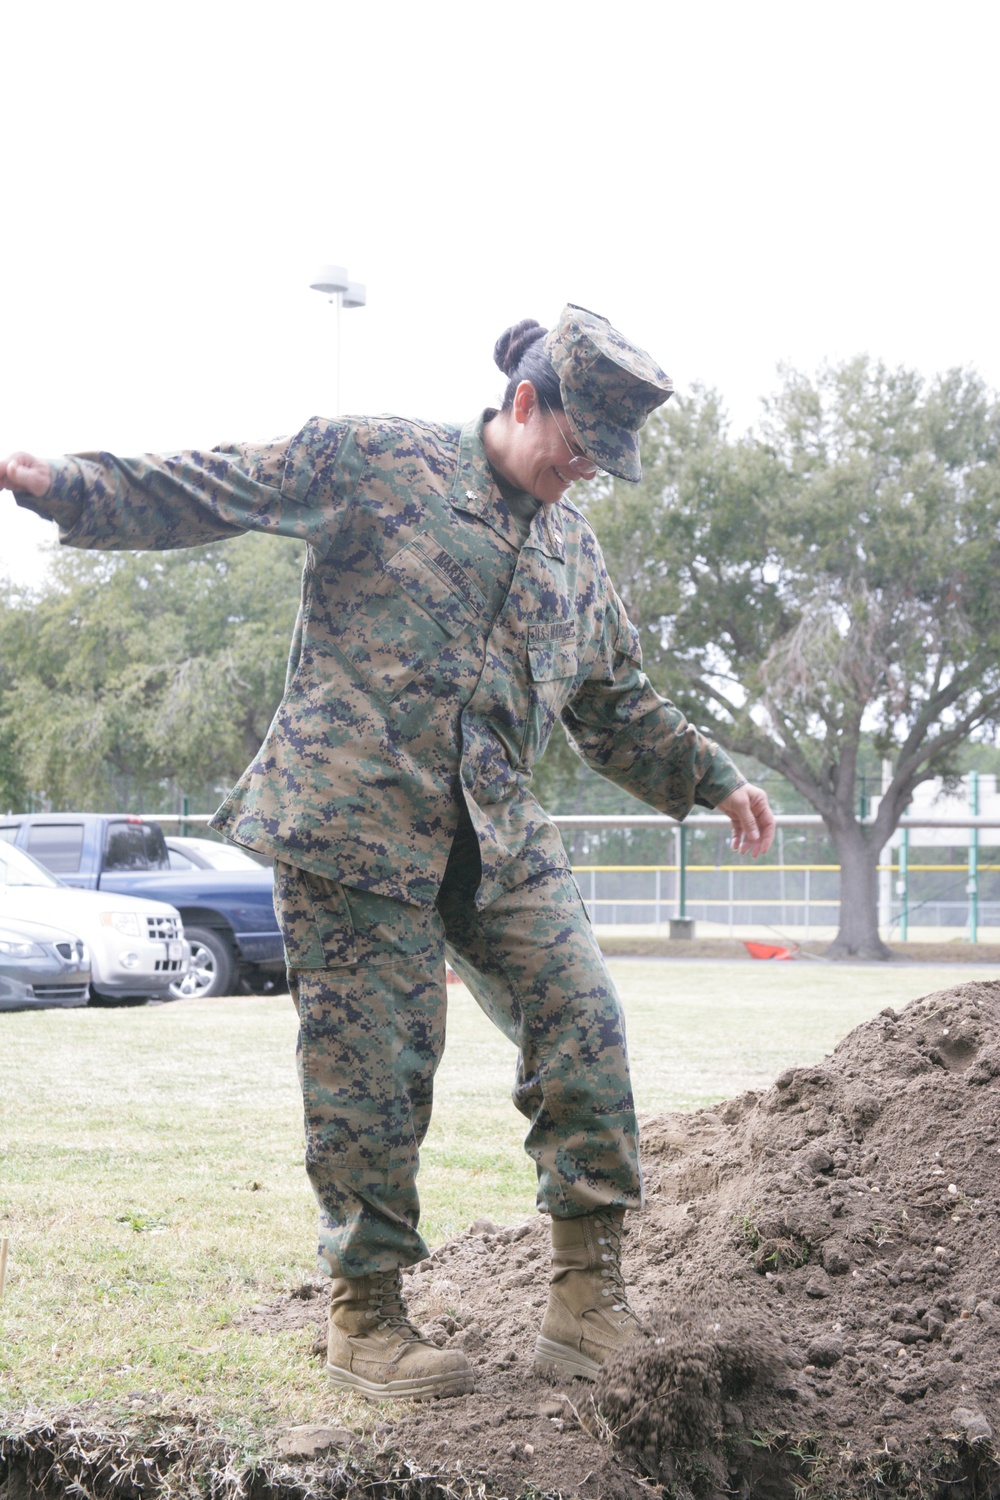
<point>367,975</point>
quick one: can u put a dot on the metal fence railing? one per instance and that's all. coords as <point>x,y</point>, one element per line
<point>791,896</point>
<point>945,895</point>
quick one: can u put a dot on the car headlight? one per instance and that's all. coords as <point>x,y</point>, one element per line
<point>122,921</point>
<point>18,948</point>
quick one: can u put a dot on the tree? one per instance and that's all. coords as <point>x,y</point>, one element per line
<point>130,678</point>
<point>828,580</point>
<point>12,786</point>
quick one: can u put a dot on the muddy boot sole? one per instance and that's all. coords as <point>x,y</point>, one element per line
<point>563,1361</point>
<point>421,1388</point>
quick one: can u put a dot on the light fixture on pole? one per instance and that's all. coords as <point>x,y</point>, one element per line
<point>333,282</point>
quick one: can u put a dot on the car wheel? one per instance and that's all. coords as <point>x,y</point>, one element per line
<point>213,966</point>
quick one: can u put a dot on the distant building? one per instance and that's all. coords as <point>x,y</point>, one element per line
<point>931,801</point>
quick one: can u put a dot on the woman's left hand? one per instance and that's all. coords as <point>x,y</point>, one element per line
<point>753,821</point>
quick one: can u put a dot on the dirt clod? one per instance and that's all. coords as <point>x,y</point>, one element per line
<point>313,1442</point>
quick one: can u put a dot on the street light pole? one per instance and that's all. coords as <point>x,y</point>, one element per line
<point>334,283</point>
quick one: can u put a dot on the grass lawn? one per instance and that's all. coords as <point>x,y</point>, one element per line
<point>151,1181</point>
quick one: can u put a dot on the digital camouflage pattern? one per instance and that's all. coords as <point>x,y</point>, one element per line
<point>367,980</point>
<point>608,388</point>
<point>433,654</point>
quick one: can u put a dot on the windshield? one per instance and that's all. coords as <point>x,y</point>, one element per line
<point>131,845</point>
<point>232,859</point>
<point>221,857</point>
<point>18,868</point>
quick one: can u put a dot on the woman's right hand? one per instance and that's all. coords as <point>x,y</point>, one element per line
<point>24,472</point>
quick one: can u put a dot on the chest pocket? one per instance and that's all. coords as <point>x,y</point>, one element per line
<point>552,668</point>
<point>422,600</point>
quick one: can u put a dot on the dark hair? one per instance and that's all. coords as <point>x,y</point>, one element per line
<point>519,353</point>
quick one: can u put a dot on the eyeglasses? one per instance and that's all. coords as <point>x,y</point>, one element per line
<point>578,461</point>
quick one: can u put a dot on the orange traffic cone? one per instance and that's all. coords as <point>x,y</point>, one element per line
<point>766,950</point>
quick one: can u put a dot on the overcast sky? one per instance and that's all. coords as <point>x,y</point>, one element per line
<point>733,185</point>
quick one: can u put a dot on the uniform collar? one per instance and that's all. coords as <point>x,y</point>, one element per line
<point>475,493</point>
<point>547,532</point>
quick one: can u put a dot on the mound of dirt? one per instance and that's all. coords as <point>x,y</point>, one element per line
<point>820,1266</point>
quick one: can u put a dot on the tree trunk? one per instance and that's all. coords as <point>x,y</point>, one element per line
<point>858,933</point>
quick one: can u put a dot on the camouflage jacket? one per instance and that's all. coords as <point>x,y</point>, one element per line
<point>433,653</point>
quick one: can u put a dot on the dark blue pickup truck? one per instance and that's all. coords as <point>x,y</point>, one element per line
<point>228,913</point>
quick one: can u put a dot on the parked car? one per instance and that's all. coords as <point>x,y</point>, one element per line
<point>207,854</point>
<point>41,966</point>
<point>208,964</point>
<point>228,914</point>
<point>137,946</point>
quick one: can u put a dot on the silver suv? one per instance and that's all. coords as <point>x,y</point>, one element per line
<point>137,946</point>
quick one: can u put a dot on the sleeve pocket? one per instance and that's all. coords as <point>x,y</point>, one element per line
<point>626,636</point>
<point>550,661</point>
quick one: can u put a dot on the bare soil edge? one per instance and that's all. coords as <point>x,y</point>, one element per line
<point>74,1454</point>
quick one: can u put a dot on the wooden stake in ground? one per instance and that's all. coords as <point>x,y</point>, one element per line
<point>3,1264</point>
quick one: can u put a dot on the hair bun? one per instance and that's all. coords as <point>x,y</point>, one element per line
<point>509,349</point>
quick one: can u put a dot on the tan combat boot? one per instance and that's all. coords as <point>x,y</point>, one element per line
<point>588,1316</point>
<point>373,1347</point>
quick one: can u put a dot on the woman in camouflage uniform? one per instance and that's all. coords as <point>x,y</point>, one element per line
<point>454,605</point>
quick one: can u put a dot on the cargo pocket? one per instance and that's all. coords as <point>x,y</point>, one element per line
<point>315,919</point>
<point>552,668</point>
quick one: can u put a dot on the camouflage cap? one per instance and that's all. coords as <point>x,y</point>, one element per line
<point>608,388</point>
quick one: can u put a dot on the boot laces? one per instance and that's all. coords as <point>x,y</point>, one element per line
<point>610,1242</point>
<point>387,1305</point>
